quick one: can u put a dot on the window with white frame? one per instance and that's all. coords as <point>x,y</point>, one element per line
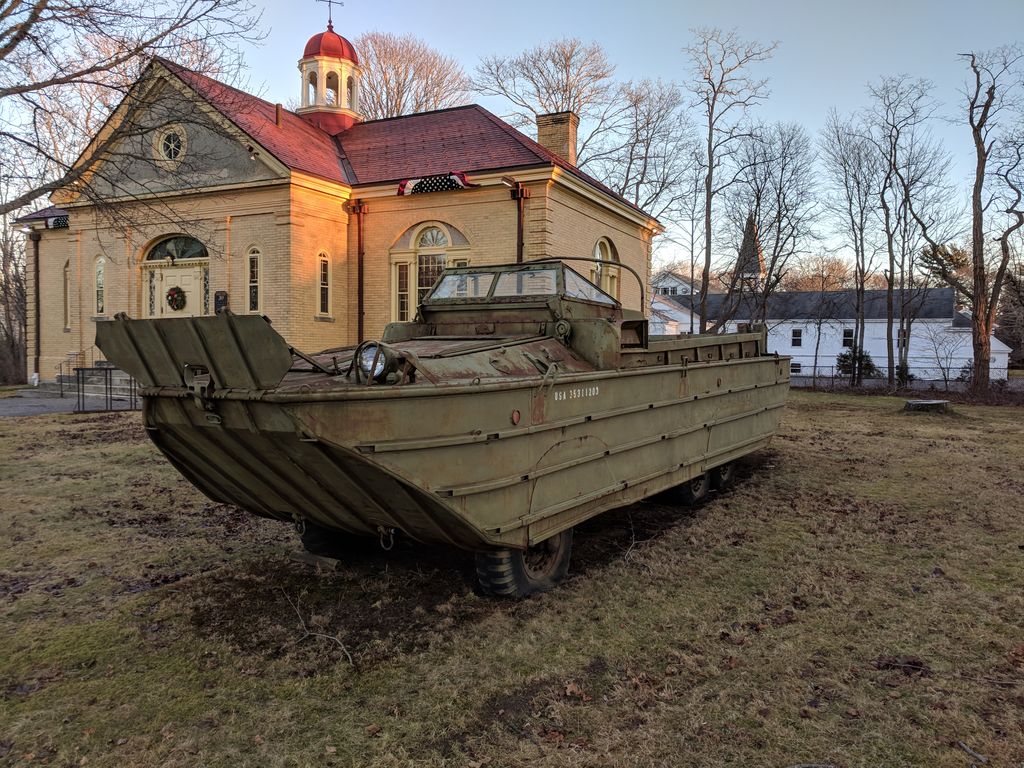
<point>797,339</point>
<point>324,284</point>
<point>101,264</point>
<point>67,294</point>
<point>848,337</point>
<point>795,367</point>
<point>418,257</point>
<point>255,265</point>
<point>606,276</point>
<point>402,304</point>
<point>431,248</point>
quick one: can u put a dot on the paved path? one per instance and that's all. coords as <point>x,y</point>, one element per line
<point>29,403</point>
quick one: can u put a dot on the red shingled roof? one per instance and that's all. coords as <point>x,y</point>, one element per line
<point>295,143</point>
<point>468,139</point>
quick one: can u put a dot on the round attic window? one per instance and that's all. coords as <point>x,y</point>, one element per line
<point>170,145</point>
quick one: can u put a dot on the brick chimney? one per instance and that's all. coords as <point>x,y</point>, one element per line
<point>557,133</point>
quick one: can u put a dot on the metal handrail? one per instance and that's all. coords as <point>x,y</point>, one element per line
<point>81,358</point>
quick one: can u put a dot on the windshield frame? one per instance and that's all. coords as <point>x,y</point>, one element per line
<point>560,269</point>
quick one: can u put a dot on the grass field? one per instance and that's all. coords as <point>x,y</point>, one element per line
<point>856,600</point>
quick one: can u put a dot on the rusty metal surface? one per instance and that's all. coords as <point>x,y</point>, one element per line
<point>479,424</point>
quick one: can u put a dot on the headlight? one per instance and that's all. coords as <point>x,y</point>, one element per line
<point>373,361</point>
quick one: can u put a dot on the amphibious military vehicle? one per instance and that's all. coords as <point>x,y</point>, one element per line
<point>521,401</point>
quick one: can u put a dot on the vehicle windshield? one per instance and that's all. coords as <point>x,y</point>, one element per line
<point>467,285</point>
<point>538,282</point>
<point>486,284</point>
<point>578,288</point>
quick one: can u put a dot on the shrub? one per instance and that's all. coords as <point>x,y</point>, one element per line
<point>848,358</point>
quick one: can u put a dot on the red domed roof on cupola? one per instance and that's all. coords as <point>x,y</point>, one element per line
<point>330,43</point>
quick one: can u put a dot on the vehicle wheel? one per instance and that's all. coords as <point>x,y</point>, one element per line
<point>519,573</point>
<point>693,491</point>
<point>325,542</point>
<point>722,477</point>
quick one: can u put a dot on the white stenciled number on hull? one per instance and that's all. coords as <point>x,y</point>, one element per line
<point>576,393</point>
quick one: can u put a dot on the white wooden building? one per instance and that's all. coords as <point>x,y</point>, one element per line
<point>668,282</point>
<point>814,327</point>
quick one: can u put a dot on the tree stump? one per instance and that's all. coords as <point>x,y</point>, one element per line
<point>927,406</point>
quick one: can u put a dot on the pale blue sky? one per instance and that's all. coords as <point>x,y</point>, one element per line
<point>828,49</point>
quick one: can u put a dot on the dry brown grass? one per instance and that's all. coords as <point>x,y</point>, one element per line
<point>856,600</point>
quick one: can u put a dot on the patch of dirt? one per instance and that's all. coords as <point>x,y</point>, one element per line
<point>377,605</point>
<point>11,586</point>
<point>910,666</point>
<point>608,536</point>
<point>107,429</point>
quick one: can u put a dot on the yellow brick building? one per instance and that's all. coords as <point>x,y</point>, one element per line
<point>329,225</point>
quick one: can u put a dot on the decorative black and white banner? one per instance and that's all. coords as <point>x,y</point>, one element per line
<point>444,182</point>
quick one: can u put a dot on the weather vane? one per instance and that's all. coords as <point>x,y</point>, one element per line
<point>330,11</point>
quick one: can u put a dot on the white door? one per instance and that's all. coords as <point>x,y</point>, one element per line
<point>188,279</point>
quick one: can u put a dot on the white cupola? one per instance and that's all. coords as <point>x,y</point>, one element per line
<point>330,82</point>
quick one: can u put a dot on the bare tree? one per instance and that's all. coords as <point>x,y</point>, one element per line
<point>564,75</point>
<point>724,91</point>
<point>852,169</point>
<point>913,175</point>
<point>51,50</point>
<point>945,348</point>
<point>13,306</point>
<point>819,272</point>
<point>403,75</point>
<point>635,137</point>
<point>647,158</point>
<point>776,183</point>
<point>992,101</point>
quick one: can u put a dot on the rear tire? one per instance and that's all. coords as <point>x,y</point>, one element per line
<point>695,490</point>
<point>724,476</point>
<point>519,573</point>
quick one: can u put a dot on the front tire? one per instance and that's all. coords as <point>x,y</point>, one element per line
<point>695,490</point>
<point>520,573</point>
<point>724,476</point>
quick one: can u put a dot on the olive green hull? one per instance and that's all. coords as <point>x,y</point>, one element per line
<point>477,465</point>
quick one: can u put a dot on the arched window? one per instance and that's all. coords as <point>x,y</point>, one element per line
<point>255,267</point>
<point>333,93</point>
<point>431,246</point>
<point>324,284</point>
<point>177,248</point>
<point>350,94</point>
<point>67,294</point>
<point>101,264</point>
<point>606,277</point>
<point>311,89</point>
<point>418,257</point>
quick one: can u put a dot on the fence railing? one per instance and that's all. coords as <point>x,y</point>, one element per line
<point>67,366</point>
<point>117,391</point>
<point>926,378</point>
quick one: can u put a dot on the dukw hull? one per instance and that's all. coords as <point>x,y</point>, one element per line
<point>476,465</point>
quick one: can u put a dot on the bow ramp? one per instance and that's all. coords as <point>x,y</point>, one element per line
<point>235,351</point>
